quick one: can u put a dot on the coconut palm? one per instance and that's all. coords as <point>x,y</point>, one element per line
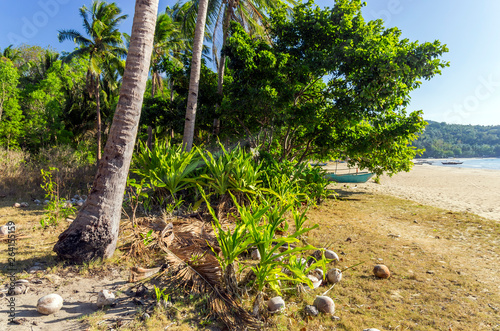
<point>10,53</point>
<point>94,232</point>
<point>251,14</point>
<point>194,79</point>
<point>103,43</point>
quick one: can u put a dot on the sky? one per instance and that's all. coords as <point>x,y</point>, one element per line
<point>467,92</point>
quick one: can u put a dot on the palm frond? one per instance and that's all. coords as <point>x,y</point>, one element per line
<point>203,275</point>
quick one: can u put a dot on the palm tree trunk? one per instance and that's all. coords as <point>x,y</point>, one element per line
<point>149,143</point>
<point>222,63</point>
<point>98,106</point>
<point>194,79</point>
<point>94,233</point>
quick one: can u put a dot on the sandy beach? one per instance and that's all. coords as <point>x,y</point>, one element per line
<point>457,189</point>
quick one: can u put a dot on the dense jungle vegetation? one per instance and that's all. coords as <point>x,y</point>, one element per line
<point>454,140</point>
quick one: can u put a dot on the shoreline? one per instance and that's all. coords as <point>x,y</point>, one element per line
<point>457,189</point>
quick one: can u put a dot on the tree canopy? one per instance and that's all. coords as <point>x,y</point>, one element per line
<point>331,85</point>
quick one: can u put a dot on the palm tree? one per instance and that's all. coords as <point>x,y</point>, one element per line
<point>100,23</point>
<point>94,233</point>
<point>10,53</point>
<point>251,14</point>
<point>194,79</point>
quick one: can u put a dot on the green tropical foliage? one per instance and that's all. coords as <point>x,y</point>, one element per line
<point>104,48</point>
<point>326,89</point>
<point>442,140</point>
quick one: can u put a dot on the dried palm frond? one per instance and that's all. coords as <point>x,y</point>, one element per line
<point>201,273</point>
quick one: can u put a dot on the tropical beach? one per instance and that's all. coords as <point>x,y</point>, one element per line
<point>454,188</point>
<point>457,189</point>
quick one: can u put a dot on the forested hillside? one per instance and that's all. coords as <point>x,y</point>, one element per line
<point>455,140</point>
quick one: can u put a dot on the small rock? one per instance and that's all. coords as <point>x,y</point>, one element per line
<point>145,316</point>
<point>275,304</point>
<point>80,203</point>
<point>371,329</point>
<point>280,258</point>
<point>49,304</point>
<point>331,255</point>
<point>36,201</point>
<point>315,281</point>
<point>67,204</point>
<point>19,320</point>
<point>164,304</point>
<point>76,197</point>
<point>324,304</point>
<point>430,272</point>
<point>255,255</point>
<point>69,220</point>
<point>17,205</point>
<point>335,318</point>
<point>4,229</point>
<point>34,269</point>
<point>381,271</point>
<point>105,298</point>
<point>334,275</point>
<point>18,289</point>
<point>46,202</point>
<point>24,204</point>
<point>311,310</point>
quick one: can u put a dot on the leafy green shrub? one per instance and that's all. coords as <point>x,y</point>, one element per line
<point>57,208</point>
<point>297,182</point>
<point>167,168</point>
<point>230,172</point>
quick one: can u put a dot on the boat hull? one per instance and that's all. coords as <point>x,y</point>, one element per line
<point>360,177</point>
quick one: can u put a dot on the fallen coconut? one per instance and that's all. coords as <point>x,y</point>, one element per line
<point>381,271</point>
<point>334,275</point>
<point>315,281</point>
<point>275,304</point>
<point>105,298</point>
<point>324,304</point>
<point>318,273</point>
<point>49,304</point>
<point>331,255</point>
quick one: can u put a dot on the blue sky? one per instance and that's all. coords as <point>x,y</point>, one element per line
<point>467,92</point>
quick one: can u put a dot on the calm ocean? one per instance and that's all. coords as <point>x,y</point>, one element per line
<point>473,163</point>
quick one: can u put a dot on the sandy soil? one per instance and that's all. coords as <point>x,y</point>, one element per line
<point>79,295</point>
<point>458,189</point>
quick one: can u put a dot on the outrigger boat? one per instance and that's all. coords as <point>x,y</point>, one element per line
<point>358,177</point>
<point>452,162</point>
<point>350,177</point>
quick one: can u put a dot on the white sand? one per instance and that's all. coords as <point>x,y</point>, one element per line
<point>457,189</point>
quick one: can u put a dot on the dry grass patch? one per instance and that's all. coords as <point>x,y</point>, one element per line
<point>444,268</point>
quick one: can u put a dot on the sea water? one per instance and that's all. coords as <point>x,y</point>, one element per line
<point>489,163</point>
